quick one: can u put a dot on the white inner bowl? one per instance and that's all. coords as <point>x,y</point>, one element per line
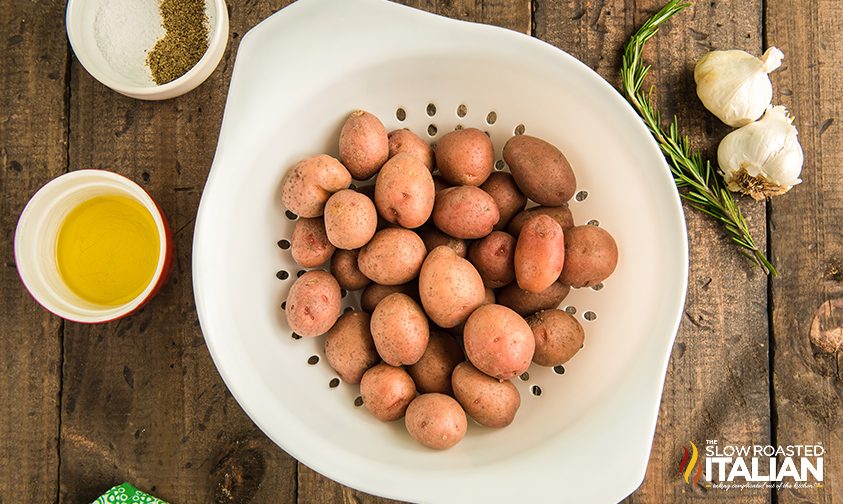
<point>288,100</point>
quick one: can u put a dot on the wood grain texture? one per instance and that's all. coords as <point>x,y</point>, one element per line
<point>142,401</point>
<point>807,238</point>
<point>512,14</point>
<point>717,380</point>
<point>33,149</point>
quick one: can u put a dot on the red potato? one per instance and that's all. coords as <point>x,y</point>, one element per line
<point>498,342</point>
<point>364,145</point>
<point>525,302</point>
<point>490,296</point>
<point>494,258</point>
<point>510,200</point>
<point>465,212</point>
<point>400,330</point>
<point>465,157</point>
<point>404,140</point>
<point>313,303</point>
<point>308,185</point>
<point>450,288</point>
<point>591,256</point>
<point>432,373</point>
<point>562,215</point>
<point>375,293</point>
<point>349,347</point>
<point>436,421</point>
<point>387,391</point>
<point>404,191</point>
<point>345,270</point>
<point>392,257</point>
<point>489,401</point>
<point>439,183</point>
<point>458,329</point>
<point>434,237</point>
<point>539,254</point>
<point>350,219</point>
<point>559,336</point>
<point>541,171</point>
<point>309,244</point>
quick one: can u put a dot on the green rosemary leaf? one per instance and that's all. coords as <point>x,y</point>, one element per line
<point>695,177</point>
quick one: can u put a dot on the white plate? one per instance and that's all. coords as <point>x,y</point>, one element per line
<point>298,74</point>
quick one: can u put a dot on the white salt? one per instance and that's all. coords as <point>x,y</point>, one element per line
<point>125,31</point>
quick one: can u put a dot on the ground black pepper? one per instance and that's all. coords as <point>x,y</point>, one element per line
<point>184,42</point>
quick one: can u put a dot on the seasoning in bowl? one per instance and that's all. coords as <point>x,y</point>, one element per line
<point>184,42</point>
<point>152,41</point>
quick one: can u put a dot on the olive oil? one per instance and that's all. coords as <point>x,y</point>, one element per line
<point>107,249</point>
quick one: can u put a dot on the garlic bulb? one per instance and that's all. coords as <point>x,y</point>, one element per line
<point>734,85</point>
<point>763,158</point>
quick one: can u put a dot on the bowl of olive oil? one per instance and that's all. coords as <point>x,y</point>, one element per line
<point>92,246</point>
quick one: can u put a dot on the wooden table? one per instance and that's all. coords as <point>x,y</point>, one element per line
<point>139,400</point>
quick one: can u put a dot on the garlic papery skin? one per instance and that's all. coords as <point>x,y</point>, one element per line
<point>763,158</point>
<point>734,85</point>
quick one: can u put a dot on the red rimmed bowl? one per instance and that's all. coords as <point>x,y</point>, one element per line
<point>37,231</point>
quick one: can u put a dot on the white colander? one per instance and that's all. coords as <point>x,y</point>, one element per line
<point>583,434</point>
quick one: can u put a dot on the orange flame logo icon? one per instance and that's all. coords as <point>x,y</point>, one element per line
<point>689,462</point>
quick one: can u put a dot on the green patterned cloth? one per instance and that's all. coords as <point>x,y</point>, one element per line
<point>128,494</point>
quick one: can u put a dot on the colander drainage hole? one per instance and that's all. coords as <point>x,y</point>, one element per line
<point>431,130</point>
<point>582,195</point>
<point>571,310</point>
<point>290,215</point>
<point>348,309</point>
<point>499,165</point>
<point>358,401</point>
<point>597,287</point>
<point>284,244</point>
<point>536,390</point>
<point>400,114</point>
<point>594,222</point>
<point>431,110</point>
<point>589,315</point>
<point>343,293</point>
<point>282,275</point>
<point>313,360</point>
<point>559,369</point>
<point>491,117</point>
<point>300,273</point>
<point>458,127</point>
<point>462,110</point>
<point>284,305</point>
<point>525,376</point>
<point>334,383</point>
<point>296,336</point>
<point>520,129</point>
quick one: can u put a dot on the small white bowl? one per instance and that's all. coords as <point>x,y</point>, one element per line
<point>35,243</point>
<point>81,24</point>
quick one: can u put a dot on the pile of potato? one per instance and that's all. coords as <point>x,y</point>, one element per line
<point>460,283</point>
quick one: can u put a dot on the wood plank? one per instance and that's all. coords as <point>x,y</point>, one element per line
<point>807,239</point>
<point>33,149</point>
<point>717,379</point>
<point>142,401</point>
<point>513,14</point>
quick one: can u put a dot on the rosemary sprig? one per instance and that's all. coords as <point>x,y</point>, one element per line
<point>697,180</point>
